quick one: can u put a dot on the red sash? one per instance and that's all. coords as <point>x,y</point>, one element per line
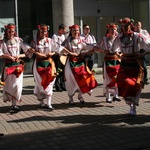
<point>47,73</point>
<point>84,77</point>
<point>15,68</point>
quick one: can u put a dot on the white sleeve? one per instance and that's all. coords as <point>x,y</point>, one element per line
<point>56,47</point>
<point>86,48</point>
<point>24,46</point>
<point>54,37</point>
<point>116,45</point>
<point>94,40</point>
<point>144,42</point>
<point>3,48</point>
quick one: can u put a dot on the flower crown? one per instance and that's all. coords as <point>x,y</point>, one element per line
<point>43,27</point>
<point>126,21</point>
<point>74,26</point>
<point>10,26</point>
<point>112,26</point>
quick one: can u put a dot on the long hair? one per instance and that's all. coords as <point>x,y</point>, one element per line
<point>42,27</point>
<point>127,22</point>
<point>7,27</point>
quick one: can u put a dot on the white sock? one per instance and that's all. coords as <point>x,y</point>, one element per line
<point>116,93</point>
<point>133,107</point>
<point>13,102</point>
<point>49,101</point>
<point>109,96</point>
<point>70,98</point>
<point>80,94</point>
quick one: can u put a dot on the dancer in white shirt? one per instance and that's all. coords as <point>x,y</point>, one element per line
<point>12,76</point>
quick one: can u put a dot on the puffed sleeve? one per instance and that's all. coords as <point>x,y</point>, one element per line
<point>117,45</point>
<point>25,47</point>
<point>56,47</point>
<point>85,47</point>
<point>144,42</point>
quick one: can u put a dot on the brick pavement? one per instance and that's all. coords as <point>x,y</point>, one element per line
<point>94,125</point>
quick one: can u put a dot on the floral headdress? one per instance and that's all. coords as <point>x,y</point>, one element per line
<point>112,26</point>
<point>74,27</point>
<point>127,22</point>
<point>8,27</point>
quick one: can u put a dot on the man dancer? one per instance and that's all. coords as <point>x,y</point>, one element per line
<point>59,37</point>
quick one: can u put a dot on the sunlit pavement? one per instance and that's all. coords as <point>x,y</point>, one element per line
<point>93,125</point>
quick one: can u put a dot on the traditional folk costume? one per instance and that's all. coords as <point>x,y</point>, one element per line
<point>44,70</point>
<point>13,71</point>
<point>77,75</point>
<point>111,66</point>
<point>130,78</point>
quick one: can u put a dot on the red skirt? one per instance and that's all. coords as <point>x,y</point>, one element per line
<point>112,68</point>
<point>46,70</point>
<point>83,76</point>
<point>130,78</point>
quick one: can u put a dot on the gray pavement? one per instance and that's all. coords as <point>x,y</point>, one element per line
<point>93,125</point>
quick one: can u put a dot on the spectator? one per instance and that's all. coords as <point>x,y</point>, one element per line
<point>90,40</point>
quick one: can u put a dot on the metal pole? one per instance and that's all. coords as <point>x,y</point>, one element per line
<point>16,15</point>
<point>81,24</point>
<point>149,15</point>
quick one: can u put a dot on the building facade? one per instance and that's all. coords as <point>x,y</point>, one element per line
<point>27,14</point>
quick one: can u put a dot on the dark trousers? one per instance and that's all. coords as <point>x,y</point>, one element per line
<point>144,66</point>
<point>59,82</point>
<point>89,61</point>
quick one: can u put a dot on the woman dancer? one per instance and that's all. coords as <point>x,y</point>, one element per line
<point>77,75</point>
<point>130,77</point>
<point>44,69</point>
<point>12,76</point>
<point>111,63</point>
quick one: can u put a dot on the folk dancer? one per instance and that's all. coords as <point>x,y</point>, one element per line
<point>138,28</point>
<point>77,75</point>
<point>12,75</point>
<point>111,63</point>
<point>59,37</point>
<point>130,77</point>
<point>44,69</point>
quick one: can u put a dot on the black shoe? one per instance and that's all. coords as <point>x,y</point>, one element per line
<point>71,102</point>
<point>50,108</point>
<point>14,109</point>
<point>116,99</point>
<point>146,82</point>
<point>64,89</point>
<point>108,101</point>
<point>58,89</point>
<point>82,102</point>
<point>1,134</point>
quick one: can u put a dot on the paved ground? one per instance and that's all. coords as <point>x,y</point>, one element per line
<point>94,125</point>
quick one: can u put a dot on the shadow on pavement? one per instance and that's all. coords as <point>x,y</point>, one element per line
<point>100,134</point>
